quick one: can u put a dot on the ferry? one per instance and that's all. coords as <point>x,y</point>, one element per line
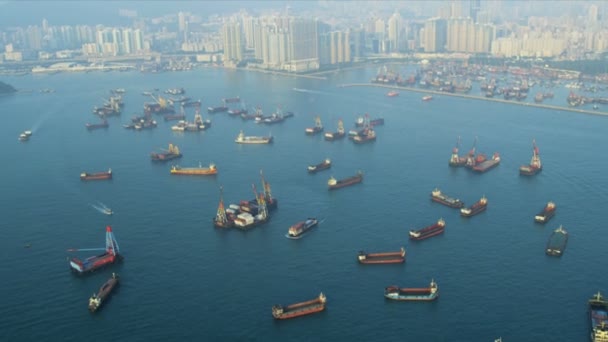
<point>382,258</point>
<point>194,171</point>
<point>427,98</point>
<point>546,214</point>
<point>476,208</point>
<point>97,299</point>
<point>392,93</point>
<point>297,230</point>
<point>429,231</point>
<point>25,136</point>
<point>324,165</point>
<point>243,139</point>
<point>557,242</point>
<point>598,317</point>
<point>96,176</point>
<point>333,183</point>
<point>299,309</point>
<point>413,294</point>
<point>438,197</point>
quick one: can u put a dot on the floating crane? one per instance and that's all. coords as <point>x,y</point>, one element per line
<point>221,220</point>
<point>111,255</point>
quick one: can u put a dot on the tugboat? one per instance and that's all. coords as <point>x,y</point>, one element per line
<point>172,153</point>
<point>535,164</point>
<point>243,139</point>
<point>297,230</point>
<point>25,136</point>
<point>429,231</point>
<point>104,292</point>
<point>455,159</point>
<point>194,171</point>
<point>110,256</point>
<point>382,258</point>
<point>337,184</point>
<point>546,214</point>
<point>339,134</point>
<point>324,165</point>
<point>476,208</point>
<point>97,175</point>
<point>598,317</point>
<point>299,309</point>
<point>438,197</point>
<point>557,242</point>
<point>412,294</point>
<point>318,127</point>
<point>487,164</point>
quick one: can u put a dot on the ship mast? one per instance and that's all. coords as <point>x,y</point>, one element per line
<point>471,154</point>
<point>220,217</point>
<point>535,162</point>
<point>262,211</point>
<point>455,158</point>
<point>111,244</point>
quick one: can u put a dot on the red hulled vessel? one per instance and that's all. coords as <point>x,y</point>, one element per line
<point>382,258</point>
<point>476,208</point>
<point>535,165</point>
<point>429,231</point>
<point>299,309</point>
<point>96,175</point>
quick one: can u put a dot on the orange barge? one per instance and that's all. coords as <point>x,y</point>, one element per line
<point>299,309</point>
<point>382,258</point>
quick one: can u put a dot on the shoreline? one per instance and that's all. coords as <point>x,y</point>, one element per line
<point>473,97</point>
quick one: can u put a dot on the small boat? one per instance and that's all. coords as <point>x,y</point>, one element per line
<point>429,231</point>
<point>297,230</point>
<point>25,136</point>
<point>104,292</point>
<point>557,242</point>
<point>439,197</point>
<point>392,93</point>
<point>108,211</point>
<point>427,98</point>
<point>243,139</point>
<point>299,309</point>
<point>333,183</point>
<point>598,317</point>
<point>97,175</point>
<point>412,294</point>
<point>476,208</point>
<point>382,258</point>
<point>546,214</point>
<point>194,171</point>
<point>324,165</point>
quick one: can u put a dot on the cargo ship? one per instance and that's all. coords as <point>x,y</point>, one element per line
<point>476,208</point>
<point>97,299</point>
<point>487,164</point>
<point>333,183</point>
<point>297,230</point>
<point>338,134</point>
<point>269,120</point>
<point>232,100</point>
<point>438,197</point>
<point>382,258</point>
<point>218,109</point>
<point>96,175</point>
<point>368,135</point>
<point>103,124</point>
<point>429,231</point>
<point>317,128</point>
<point>238,111</point>
<point>172,153</point>
<point>557,242</point>
<point>324,165</point>
<point>424,294</point>
<point>392,93</point>
<point>299,309</point>
<point>455,159</point>
<point>25,136</point>
<point>535,165</point>
<point>111,255</point>
<point>194,171</point>
<point>174,117</point>
<point>546,214</point>
<point>365,121</point>
<point>598,317</point>
<point>245,220</point>
<point>196,103</point>
<point>243,139</point>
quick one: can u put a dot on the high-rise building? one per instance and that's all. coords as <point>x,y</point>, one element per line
<point>249,24</point>
<point>357,37</point>
<point>303,43</point>
<point>435,35</point>
<point>339,47</point>
<point>232,38</point>
<point>394,32</point>
<point>127,41</point>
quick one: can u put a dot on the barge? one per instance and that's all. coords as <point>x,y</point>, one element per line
<point>557,242</point>
<point>424,294</point>
<point>297,230</point>
<point>598,317</point>
<point>324,165</point>
<point>172,153</point>
<point>97,299</point>
<point>437,196</point>
<point>382,258</point>
<point>487,164</point>
<point>111,255</point>
<point>300,309</point>
<point>103,124</point>
<point>218,109</point>
<point>535,165</point>
<point>194,171</point>
<point>476,208</point>
<point>317,128</point>
<point>97,175</point>
<point>546,214</point>
<point>429,231</point>
<point>333,183</point>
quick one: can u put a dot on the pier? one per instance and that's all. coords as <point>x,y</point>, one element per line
<point>473,97</point>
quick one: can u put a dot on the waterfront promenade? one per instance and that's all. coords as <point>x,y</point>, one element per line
<point>473,97</point>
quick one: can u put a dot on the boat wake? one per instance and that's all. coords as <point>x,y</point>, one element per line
<point>300,90</point>
<point>102,208</point>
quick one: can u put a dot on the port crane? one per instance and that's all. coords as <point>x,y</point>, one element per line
<point>262,210</point>
<point>535,162</point>
<point>111,244</point>
<point>220,218</point>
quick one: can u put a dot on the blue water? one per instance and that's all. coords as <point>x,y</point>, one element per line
<point>182,279</point>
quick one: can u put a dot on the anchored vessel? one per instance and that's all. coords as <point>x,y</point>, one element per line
<point>218,109</point>
<point>487,164</point>
<point>535,165</point>
<point>103,124</point>
<point>97,175</point>
<point>598,317</point>
<point>194,171</point>
<point>455,159</point>
<point>473,159</point>
<point>110,256</point>
<point>299,309</point>
<point>172,153</point>
<point>246,220</point>
<point>337,184</point>
<point>476,208</point>
<point>438,197</point>
<point>412,294</point>
<point>429,231</point>
<point>367,135</point>
<point>324,165</point>
<point>546,214</point>
<point>339,134</point>
<point>557,242</point>
<point>243,139</point>
<point>382,258</point>
<point>297,230</point>
<point>365,121</point>
<point>97,299</point>
<point>317,128</point>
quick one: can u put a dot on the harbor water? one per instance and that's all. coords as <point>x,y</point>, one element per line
<point>183,279</point>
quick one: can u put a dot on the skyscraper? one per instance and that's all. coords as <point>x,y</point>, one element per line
<point>394,32</point>
<point>435,35</point>
<point>232,38</point>
<point>303,43</point>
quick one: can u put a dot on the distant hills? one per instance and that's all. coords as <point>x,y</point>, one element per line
<point>6,88</point>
